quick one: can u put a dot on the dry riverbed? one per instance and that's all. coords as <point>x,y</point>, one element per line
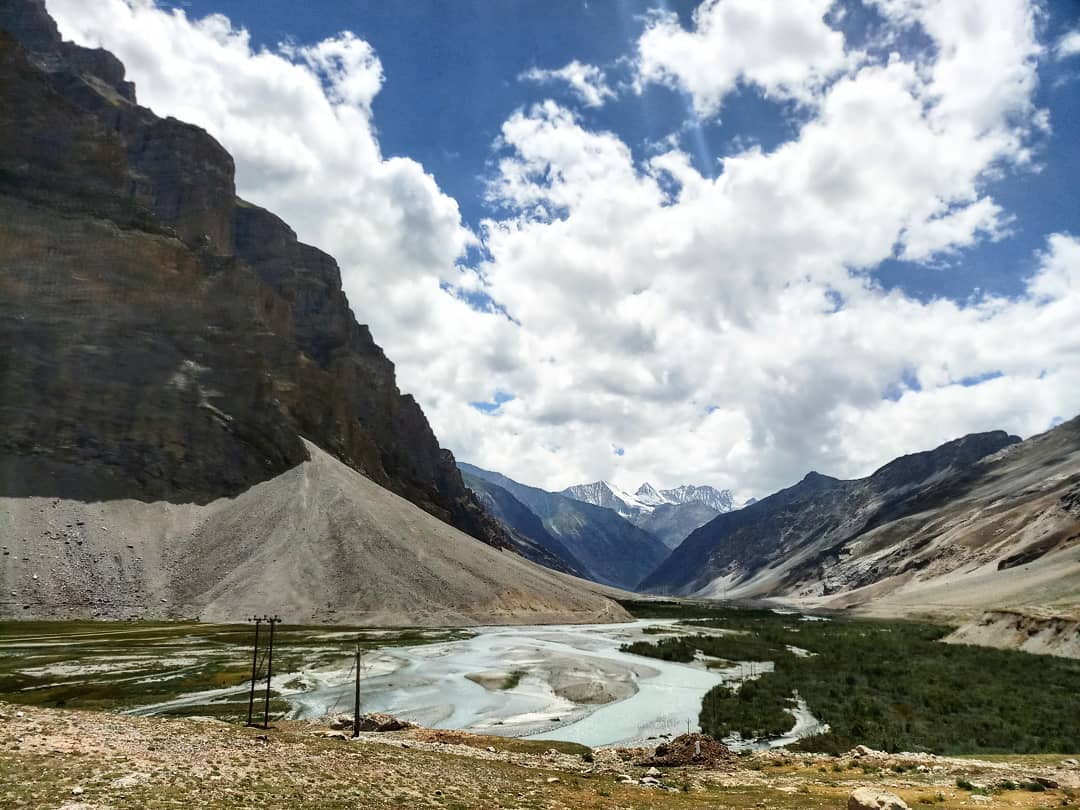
<point>78,760</point>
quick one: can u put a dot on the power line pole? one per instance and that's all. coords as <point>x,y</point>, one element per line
<point>272,620</point>
<point>254,666</point>
<point>356,696</point>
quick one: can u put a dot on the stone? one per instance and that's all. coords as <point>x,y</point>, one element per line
<point>131,780</point>
<point>77,791</point>
<point>865,798</point>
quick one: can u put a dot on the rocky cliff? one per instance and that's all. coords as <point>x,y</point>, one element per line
<point>161,339</point>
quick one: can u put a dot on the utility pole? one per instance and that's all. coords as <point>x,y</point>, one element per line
<point>254,666</point>
<point>272,620</point>
<point>356,696</point>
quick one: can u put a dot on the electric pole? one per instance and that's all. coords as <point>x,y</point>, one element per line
<point>356,696</point>
<point>254,666</point>
<point>271,620</point>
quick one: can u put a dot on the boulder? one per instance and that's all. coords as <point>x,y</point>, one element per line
<point>865,798</point>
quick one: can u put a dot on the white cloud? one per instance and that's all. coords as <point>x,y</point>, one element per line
<point>719,330</point>
<point>954,229</point>
<point>586,81</point>
<point>1068,45</point>
<point>785,49</point>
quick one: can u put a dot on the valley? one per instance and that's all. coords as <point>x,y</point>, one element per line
<point>197,426</point>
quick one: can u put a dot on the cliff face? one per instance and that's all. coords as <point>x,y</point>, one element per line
<point>161,339</point>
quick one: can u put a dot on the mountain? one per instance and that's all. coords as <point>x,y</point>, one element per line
<point>319,543</point>
<point>721,500</point>
<point>671,523</point>
<point>166,344</point>
<point>668,514</point>
<point>525,530</point>
<point>981,521</point>
<point>613,550</point>
<point>608,496</point>
<point>647,497</point>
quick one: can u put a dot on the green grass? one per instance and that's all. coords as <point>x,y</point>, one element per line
<point>888,684</point>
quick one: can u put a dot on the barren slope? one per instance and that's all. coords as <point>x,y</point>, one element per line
<point>319,542</point>
<point>966,527</point>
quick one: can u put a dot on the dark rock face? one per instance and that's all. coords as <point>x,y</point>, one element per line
<point>612,549</point>
<point>160,336</point>
<point>797,529</point>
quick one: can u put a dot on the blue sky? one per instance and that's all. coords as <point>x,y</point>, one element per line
<point>452,78</point>
<point>755,238</point>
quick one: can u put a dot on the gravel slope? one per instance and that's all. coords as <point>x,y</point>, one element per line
<point>318,543</point>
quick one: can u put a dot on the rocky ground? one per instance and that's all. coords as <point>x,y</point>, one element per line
<point>92,761</point>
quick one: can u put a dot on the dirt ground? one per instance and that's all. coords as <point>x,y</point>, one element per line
<point>73,760</point>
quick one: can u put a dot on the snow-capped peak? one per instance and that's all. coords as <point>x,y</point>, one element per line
<point>606,494</point>
<point>648,494</point>
<point>647,497</point>
<point>720,500</point>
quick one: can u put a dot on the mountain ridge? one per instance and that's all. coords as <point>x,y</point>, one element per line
<point>982,512</point>
<point>613,550</point>
<point>668,514</point>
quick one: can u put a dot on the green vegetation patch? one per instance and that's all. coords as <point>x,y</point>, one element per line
<point>887,684</point>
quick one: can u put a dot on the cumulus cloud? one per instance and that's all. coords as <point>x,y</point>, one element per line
<point>1068,45</point>
<point>785,49</point>
<point>717,330</point>
<point>588,82</point>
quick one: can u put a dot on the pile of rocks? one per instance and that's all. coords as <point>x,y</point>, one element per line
<point>698,750</point>
<point>373,721</point>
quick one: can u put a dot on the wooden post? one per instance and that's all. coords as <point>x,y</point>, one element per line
<point>272,620</point>
<point>254,666</point>
<point>356,696</point>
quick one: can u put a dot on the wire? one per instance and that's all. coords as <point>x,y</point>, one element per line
<point>352,668</point>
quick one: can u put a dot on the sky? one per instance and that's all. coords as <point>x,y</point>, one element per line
<point>721,243</point>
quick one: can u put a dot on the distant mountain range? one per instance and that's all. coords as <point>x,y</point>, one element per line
<point>982,521</point>
<point>596,540</point>
<point>668,514</point>
<point>647,497</point>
